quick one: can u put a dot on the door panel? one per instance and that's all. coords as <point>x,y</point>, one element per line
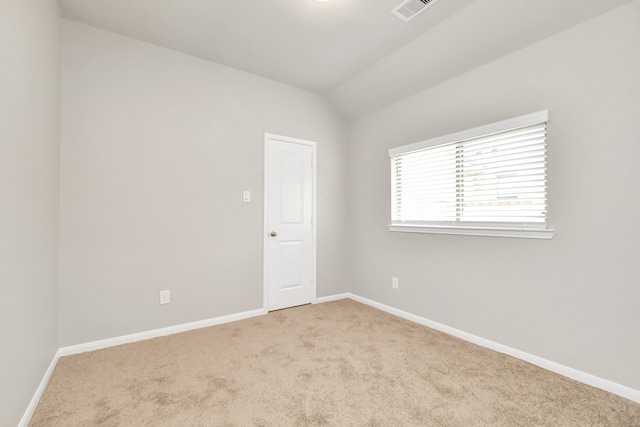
<point>289,226</point>
<point>293,187</point>
<point>291,262</point>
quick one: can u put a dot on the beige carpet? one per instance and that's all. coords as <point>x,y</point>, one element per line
<point>339,363</point>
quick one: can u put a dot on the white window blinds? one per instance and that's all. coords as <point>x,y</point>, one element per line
<point>493,176</point>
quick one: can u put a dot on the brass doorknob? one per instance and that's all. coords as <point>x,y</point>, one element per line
<point>273,234</point>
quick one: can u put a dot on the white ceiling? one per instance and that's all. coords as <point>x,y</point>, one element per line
<point>306,43</point>
<point>354,51</point>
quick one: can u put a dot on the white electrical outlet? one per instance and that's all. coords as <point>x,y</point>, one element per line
<point>394,282</point>
<point>165,297</point>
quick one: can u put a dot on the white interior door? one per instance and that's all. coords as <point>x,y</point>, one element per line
<point>289,205</point>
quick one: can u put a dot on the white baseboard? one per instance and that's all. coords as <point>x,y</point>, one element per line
<point>574,374</point>
<point>335,297</point>
<point>126,339</point>
<point>26,417</point>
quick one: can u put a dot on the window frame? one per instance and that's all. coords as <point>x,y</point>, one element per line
<point>492,228</point>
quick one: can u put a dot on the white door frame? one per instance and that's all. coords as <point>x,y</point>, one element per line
<point>265,229</point>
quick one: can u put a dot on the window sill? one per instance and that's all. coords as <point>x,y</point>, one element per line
<point>523,233</point>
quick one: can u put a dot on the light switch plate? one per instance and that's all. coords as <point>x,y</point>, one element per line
<point>246,196</point>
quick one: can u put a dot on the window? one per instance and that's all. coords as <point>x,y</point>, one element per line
<point>489,181</point>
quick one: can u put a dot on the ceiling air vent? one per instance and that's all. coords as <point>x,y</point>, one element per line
<point>409,9</point>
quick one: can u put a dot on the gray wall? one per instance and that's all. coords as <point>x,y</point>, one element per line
<point>157,148</point>
<point>29,137</point>
<point>572,300</point>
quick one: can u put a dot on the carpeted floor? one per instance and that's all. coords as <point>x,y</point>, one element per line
<point>339,363</point>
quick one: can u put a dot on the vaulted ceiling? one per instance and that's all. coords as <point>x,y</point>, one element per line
<point>355,52</point>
